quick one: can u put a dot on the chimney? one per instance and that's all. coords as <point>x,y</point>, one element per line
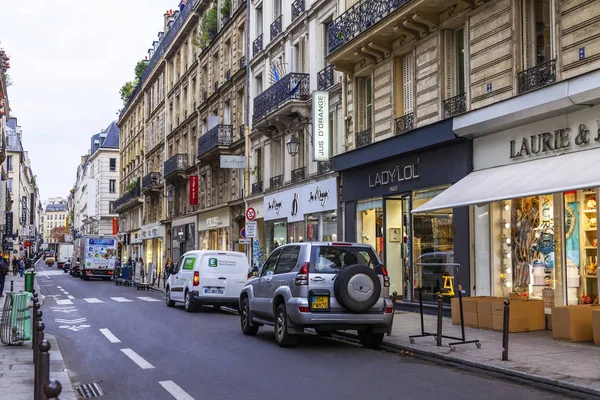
<point>166,20</point>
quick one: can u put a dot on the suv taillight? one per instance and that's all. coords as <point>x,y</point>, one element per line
<point>302,277</point>
<point>196,278</point>
<point>386,278</point>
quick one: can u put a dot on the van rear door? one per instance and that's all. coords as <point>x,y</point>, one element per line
<point>213,275</point>
<point>237,273</point>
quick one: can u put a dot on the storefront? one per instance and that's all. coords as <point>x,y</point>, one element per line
<point>214,230</point>
<point>534,194</point>
<point>153,236</point>
<point>303,214</point>
<point>183,236</point>
<point>135,248</point>
<point>384,182</point>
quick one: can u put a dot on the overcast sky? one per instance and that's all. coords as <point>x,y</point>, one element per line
<point>68,61</point>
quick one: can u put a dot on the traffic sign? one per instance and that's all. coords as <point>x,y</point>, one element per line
<point>251,229</point>
<point>244,241</point>
<point>27,244</point>
<point>250,214</point>
<point>243,233</point>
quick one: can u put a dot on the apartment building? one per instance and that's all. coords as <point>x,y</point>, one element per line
<point>79,199</point>
<point>55,216</point>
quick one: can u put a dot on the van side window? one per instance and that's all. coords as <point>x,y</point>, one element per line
<point>287,260</point>
<point>178,266</point>
<point>269,267</point>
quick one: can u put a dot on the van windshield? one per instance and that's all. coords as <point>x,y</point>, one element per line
<point>331,259</point>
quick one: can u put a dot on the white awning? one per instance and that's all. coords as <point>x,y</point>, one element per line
<point>560,173</point>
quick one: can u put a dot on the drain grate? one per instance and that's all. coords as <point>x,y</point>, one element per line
<point>88,391</point>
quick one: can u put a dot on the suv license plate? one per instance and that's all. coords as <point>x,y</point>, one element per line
<point>319,302</point>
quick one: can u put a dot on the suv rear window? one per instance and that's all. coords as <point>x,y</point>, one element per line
<point>330,259</point>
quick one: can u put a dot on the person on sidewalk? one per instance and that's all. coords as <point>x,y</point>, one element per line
<point>15,265</point>
<point>3,273</point>
<point>140,265</point>
<point>21,266</point>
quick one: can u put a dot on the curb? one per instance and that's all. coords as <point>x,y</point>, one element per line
<point>68,391</point>
<point>572,389</point>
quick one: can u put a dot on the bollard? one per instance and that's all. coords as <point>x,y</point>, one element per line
<point>439,319</point>
<point>34,319</point>
<point>12,286</point>
<point>505,329</point>
<point>52,389</point>
<point>37,387</point>
<point>44,368</point>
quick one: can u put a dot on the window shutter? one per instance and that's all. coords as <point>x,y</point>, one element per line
<point>448,47</point>
<point>360,100</point>
<point>528,17</point>
<point>408,78</point>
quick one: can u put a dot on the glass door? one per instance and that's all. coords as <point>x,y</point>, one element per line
<point>396,248</point>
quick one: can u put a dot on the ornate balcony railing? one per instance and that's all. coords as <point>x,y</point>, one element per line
<point>228,75</point>
<point>537,77</point>
<point>293,86</point>
<point>324,167</point>
<point>152,180</point>
<point>299,174</point>
<point>276,27</point>
<point>257,187</point>
<point>257,45</point>
<point>455,105</point>
<point>242,131</point>
<point>297,9</point>
<point>242,62</point>
<point>127,197</point>
<point>358,18</point>
<point>276,181</point>
<point>177,163</point>
<point>216,86</point>
<point>325,78</point>
<point>204,96</point>
<point>220,135</point>
<point>405,123</point>
<point>364,138</point>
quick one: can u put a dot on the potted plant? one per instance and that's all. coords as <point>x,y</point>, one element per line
<point>209,25</point>
<point>225,10</point>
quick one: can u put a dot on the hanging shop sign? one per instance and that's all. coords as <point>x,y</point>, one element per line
<point>320,125</point>
<point>8,225</point>
<point>214,219</point>
<point>194,190</point>
<point>23,210</point>
<point>115,226</point>
<point>234,162</point>
<point>293,204</point>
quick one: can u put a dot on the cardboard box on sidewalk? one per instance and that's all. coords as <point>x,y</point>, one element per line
<point>524,316</point>
<point>572,323</point>
<point>484,312</point>
<point>470,310</point>
<point>596,325</point>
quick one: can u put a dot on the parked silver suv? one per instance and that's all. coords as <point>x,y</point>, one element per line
<point>325,286</point>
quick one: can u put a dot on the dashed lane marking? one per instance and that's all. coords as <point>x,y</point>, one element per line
<point>120,299</point>
<point>109,335</point>
<point>148,298</point>
<point>175,391</point>
<point>63,302</point>
<point>70,297</point>
<point>136,358</point>
<point>93,300</point>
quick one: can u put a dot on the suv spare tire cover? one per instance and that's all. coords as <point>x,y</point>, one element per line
<point>357,287</point>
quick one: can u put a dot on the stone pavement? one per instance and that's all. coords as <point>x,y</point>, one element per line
<point>16,362</point>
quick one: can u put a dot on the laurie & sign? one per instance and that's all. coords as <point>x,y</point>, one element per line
<point>557,140</point>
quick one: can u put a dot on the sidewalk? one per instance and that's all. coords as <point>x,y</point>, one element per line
<point>533,356</point>
<point>16,362</point>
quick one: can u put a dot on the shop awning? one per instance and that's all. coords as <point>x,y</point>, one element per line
<point>560,173</point>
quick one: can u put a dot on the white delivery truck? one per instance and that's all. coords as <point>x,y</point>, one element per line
<point>97,255</point>
<point>65,254</point>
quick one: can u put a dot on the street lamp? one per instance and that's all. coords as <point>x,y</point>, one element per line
<point>293,145</point>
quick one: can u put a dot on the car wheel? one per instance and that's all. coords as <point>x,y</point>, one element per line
<point>370,339</point>
<point>248,328</point>
<point>170,303</point>
<point>282,337</point>
<point>188,305</point>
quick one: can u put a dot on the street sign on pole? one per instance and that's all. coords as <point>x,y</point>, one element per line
<point>250,229</point>
<point>250,214</point>
<point>243,233</point>
<point>244,241</point>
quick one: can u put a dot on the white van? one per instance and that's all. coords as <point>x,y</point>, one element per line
<point>207,277</point>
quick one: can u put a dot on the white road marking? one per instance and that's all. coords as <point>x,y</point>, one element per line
<point>60,287</point>
<point>93,300</point>
<point>70,297</point>
<point>175,390</point>
<point>148,299</point>
<point>63,302</point>
<point>120,299</point>
<point>74,328</point>
<point>109,335</point>
<point>135,357</point>
<point>66,310</point>
<point>70,321</point>
<point>65,292</point>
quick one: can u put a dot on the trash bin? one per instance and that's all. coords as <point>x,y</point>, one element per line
<point>15,325</point>
<point>29,278</point>
<point>126,273</point>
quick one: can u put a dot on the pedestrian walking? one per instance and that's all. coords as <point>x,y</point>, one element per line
<point>3,273</point>
<point>15,265</point>
<point>169,267</point>
<point>21,266</point>
<point>140,265</point>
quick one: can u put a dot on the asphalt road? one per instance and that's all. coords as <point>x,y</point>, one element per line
<point>151,352</point>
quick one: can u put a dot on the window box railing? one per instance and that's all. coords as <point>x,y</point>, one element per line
<point>405,123</point>
<point>293,86</point>
<point>325,78</point>
<point>177,163</point>
<point>299,174</point>
<point>257,187</point>
<point>364,138</point>
<point>220,135</point>
<point>537,77</point>
<point>455,105</point>
<point>297,9</point>
<point>276,181</point>
<point>257,45</point>
<point>242,131</point>
<point>204,96</point>
<point>324,167</point>
<point>127,197</point>
<point>228,75</point>
<point>242,62</point>
<point>276,27</point>
<point>151,180</point>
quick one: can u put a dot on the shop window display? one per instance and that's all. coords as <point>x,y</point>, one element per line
<point>275,235</point>
<point>369,224</point>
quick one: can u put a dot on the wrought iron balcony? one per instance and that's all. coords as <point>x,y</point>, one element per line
<point>242,62</point>
<point>293,86</point>
<point>455,105</point>
<point>228,75</point>
<point>257,45</point>
<point>257,187</point>
<point>276,27</point>
<point>358,18</point>
<point>177,164</point>
<point>364,138</point>
<point>276,181</point>
<point>220,135</point>
<point>204,96</point>
<point>299,174</point>
<point>216,86</point>
<point>297,9</point>
<point>325,78</point>
<point>128,199</point>
<point>242,131</point>
<point>152,181</point>
<point>405,123</point>
<point>324,167</point>
<point>537,77</point>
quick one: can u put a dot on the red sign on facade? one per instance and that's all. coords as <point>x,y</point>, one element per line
<point>115,226</point>
<point>193,190</point>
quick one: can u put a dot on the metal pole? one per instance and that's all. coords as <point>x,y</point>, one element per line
<point>44,368</point>
<point>462,318</point>
<point>505,329</point>
<point>440,305</point>
<point>421,310</point>
<point>12,285</point>
<point>52,389</point>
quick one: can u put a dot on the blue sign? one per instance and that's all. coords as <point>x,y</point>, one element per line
<point>102,242</point>
<point>581,53</point>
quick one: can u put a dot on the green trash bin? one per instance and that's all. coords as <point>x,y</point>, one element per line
<point>29,278</point>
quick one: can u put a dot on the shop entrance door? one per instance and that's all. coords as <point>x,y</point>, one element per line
<point>397,244</point>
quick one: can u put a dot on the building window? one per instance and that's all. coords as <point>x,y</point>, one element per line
<point>9,163</point>
<point>368,102</point>
<point>9,184</point>
<point>112,185</point>
<point>111,208</point>
<point>537,32</point>
<point>455,62</point>
<point>113,164</point>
